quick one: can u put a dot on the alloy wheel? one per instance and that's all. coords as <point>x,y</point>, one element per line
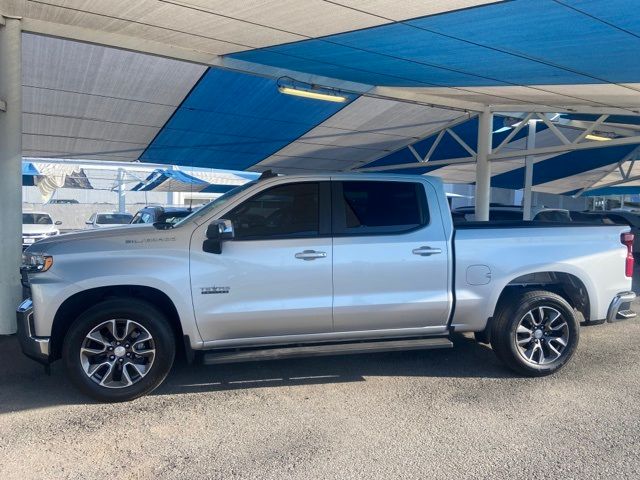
<point>542,335</point>
<point>117,353</point>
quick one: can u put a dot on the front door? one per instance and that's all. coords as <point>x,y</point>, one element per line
<point>390,257</point>
<point>274,278</point>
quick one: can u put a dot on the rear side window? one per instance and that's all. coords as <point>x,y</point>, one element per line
<point>370,207</point>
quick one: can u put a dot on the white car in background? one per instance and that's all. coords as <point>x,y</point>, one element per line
<point>36,226</point>
<point>100,220</point>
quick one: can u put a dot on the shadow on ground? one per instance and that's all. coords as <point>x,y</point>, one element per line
<point>24,385</point>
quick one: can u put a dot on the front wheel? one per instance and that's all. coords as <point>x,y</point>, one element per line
<point>535,333</point>
<point>119,350</point>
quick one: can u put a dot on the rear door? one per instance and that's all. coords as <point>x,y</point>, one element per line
<point>390,256</point>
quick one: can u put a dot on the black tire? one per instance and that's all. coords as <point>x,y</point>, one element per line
<point>144,314</point>
<point>511,311</point>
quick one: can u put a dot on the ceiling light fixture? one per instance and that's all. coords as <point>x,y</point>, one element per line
<point>289,86</point>
<point>597,138</point>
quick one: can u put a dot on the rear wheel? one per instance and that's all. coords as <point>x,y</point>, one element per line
<point>119,350</point>
<point>535,333</point>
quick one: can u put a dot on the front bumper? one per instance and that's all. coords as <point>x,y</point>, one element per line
<point>36,348</point>
<point>620,308</point>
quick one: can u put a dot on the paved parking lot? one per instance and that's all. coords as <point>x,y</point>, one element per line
<point>433,414</point>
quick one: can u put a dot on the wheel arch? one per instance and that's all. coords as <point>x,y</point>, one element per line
<point>76,304</point>
<point>568,285</point>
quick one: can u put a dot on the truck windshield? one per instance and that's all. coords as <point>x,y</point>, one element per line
<point>36,219</point>
<point>221,200</point>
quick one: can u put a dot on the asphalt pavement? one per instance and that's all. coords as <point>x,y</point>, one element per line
<point>423,414</point>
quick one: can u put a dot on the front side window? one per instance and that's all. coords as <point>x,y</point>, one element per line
<point>285,211</point>
<point>370,207</point>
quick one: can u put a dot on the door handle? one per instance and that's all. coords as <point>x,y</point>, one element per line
<point>426,251</point>
<point>310,255</point>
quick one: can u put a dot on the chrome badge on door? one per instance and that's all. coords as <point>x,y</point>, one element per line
<point>213,290</point>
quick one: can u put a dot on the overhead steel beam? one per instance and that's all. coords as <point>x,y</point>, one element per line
<point>461,142</point>
<point>432,163</point>
<point>559,135</point>
<point>632,110</point>
<point>613,184</point>
<point>513,132</point>
<point>383,93</point>
<point>429,99</point>
<point>439,130</point>
<point>591,128</point>
<point>593,186</point>
<point>565,148</point>
<point>435,145</point>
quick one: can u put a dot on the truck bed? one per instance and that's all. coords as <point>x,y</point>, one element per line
<point>488,256</point>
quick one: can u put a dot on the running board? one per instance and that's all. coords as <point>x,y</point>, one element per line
<point>317,350</point>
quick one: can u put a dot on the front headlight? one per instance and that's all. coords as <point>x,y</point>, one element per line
<point>52,233</point>
<point>36,262</point>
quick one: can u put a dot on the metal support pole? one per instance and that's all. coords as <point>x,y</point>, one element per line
<point>528,172</point>
<point>621,201</point>
<point>170,195</point>
<point>11,178</point>
<point>122,199</point>
<point>483,166</point>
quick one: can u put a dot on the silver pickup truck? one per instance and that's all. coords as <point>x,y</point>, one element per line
<point>315,265</point>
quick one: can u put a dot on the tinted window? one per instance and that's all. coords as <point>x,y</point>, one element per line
<point>287,211</point>
<point>173,217</point>
<point>137,218</point>
<point>617,219</point>
<point>380,207</point>
<point>36,219</point>
<point>113,218</point>
<point>505,215</point>
<point>552,216</point>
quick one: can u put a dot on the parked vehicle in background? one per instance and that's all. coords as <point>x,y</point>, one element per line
<point>36,226</point>
<point>158,214</point>
<point>513,213</point>
<point>319,264</point>
<point>615,217</point>
<point>100,220</point>
<point>63,201</point>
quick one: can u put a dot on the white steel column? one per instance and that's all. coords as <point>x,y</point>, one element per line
<point>11,178</point>
<point>483,166</point>
<point>170,195</point>
<point>528,172</point>
<point>122,199</point>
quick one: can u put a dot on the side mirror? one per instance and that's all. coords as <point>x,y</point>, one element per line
<point>217,232</point>
<point>88,222</point>
<point>58,222</point>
